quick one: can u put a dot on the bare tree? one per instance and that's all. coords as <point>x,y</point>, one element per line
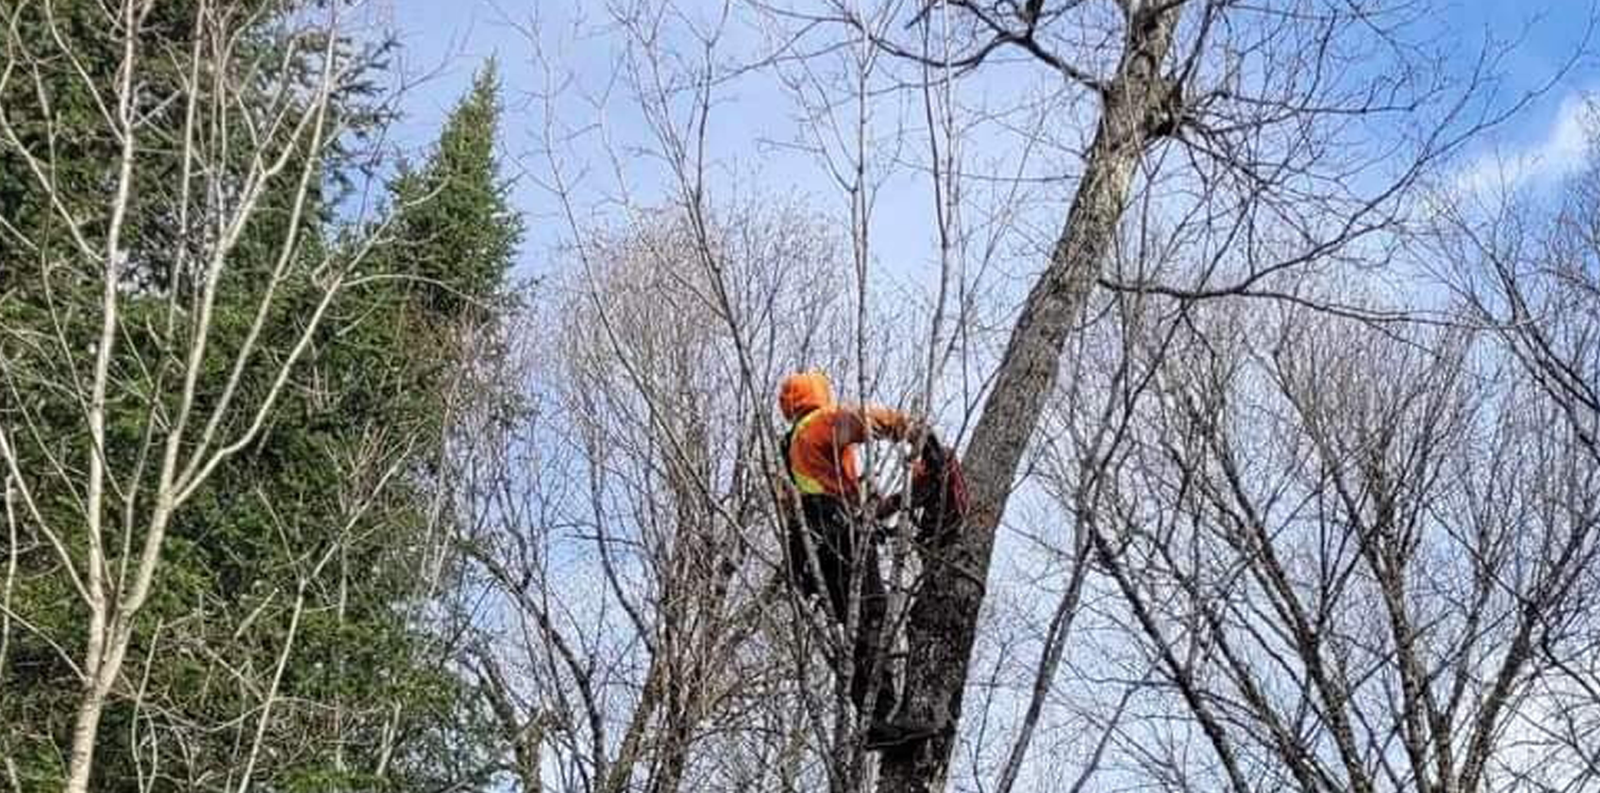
<point>1522,269</point>
<point>1242,108</point>
<point>1358,535</point>
<point>640,471</point>
<point>1264,155</point>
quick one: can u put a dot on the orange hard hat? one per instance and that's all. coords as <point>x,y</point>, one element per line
<point>802,392</point>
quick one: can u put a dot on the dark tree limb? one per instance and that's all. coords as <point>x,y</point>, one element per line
<point>943,620</point>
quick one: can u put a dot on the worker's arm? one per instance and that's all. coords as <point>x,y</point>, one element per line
<point>858,425</point>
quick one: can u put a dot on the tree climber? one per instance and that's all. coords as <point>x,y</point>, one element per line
<point>820,454</point>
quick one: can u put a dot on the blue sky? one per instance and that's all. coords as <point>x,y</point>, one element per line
<point>446,40</point>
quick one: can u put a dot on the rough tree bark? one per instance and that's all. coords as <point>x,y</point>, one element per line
<point>943,621</point>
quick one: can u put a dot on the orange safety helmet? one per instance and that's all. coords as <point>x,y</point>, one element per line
<point>803,392</point>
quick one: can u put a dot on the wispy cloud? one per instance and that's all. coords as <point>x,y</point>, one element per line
<point>1561,151</point>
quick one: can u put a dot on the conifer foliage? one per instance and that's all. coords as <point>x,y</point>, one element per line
<point>225,403</point>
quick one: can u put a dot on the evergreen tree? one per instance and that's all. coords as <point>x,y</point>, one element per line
<point>455,228</point>
<point>297,565</point>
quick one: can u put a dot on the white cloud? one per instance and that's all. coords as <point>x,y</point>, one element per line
<point>1560,152</point>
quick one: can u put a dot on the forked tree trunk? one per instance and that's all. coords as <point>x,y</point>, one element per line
<point>944,617</point>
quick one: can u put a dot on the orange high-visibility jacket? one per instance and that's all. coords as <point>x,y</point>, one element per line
<point>822,454</point>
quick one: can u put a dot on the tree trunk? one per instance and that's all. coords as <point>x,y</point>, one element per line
<point>85,732</point>
<point>944,617</point>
